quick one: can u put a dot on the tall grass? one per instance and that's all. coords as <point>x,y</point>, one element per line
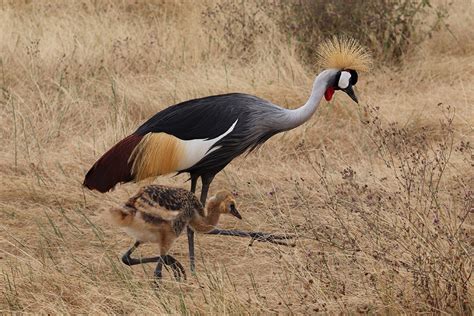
<point>379,195</point>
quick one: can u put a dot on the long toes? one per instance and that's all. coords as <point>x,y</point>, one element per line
<point>126,259</point>
<point>271,238</point>
<point>177,272</point>
<point>287,237</point>
<point>283,243</point>
<point>156,284</point>
<point>158,271</point>
<point>176,267</point>
<point>179,267</point>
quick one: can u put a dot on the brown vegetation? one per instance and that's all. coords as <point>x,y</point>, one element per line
<point>380,194</point>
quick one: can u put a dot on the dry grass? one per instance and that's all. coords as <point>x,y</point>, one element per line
<point>380,195</point>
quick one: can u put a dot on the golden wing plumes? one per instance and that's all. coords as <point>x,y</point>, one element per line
<point>344,53</point>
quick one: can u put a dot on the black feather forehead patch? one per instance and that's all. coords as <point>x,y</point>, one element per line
<point>354,76</point>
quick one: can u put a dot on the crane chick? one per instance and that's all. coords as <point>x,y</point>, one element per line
<point>159,214</point>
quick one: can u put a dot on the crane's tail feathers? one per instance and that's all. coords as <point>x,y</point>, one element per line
<point>113,167</point>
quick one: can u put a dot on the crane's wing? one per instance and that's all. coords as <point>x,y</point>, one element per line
<point>178,139</point>
<point>203,118</point>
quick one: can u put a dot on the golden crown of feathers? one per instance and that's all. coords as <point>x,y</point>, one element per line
<point>344,53</point>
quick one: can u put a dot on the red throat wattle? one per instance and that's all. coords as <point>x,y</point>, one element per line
<point>329,93</point>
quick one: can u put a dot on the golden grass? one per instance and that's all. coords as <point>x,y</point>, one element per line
<point>380,195</point>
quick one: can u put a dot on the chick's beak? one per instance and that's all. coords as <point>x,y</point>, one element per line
<point>234,212</point>
<point>350,92</point>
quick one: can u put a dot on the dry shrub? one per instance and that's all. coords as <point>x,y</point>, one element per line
<point>403,231</point>
<point>388,28</point>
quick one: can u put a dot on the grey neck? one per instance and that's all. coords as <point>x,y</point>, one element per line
<point>296,117</point>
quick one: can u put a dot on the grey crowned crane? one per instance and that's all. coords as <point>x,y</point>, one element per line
<point>202,136</point>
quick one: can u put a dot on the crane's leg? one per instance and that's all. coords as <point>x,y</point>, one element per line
<point>190,231</point>
<point>206,182</point>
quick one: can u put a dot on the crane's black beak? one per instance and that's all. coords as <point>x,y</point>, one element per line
<point>350,92</point>
<point>234,212</point>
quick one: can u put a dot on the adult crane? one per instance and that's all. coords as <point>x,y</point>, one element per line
<point>202,136</point>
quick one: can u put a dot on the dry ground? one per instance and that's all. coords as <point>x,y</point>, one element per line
<point>379,194</point>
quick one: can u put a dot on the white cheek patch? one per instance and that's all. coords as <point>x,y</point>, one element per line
<point>344,80</point>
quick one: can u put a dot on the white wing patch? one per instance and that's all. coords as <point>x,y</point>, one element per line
<point>344,80</point>
<point>196,149</point>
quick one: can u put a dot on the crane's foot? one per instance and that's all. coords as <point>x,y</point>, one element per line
<point>126,259</point>
<point>129,261</point>
<point>256,236</point>
<point>175,266</point>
